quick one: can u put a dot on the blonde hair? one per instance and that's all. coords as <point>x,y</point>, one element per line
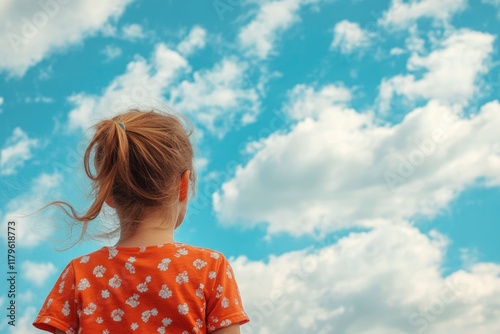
<point>139,166</point>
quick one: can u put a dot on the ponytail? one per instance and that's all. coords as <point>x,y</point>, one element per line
<point>138,159</point>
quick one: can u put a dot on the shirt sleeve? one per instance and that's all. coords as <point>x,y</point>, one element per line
<point>60,309</point>
<point>224,306</point>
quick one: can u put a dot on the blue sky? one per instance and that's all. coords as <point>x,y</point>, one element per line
<point>347,151</point>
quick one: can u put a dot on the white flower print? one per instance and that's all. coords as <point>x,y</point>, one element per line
<point>46,320</point>
<point>99,320</point>
<point>99,271</point>
<point>180,252</point>
<point>65,272</point>
<point>225,302</point>
<point>83,284</point>
<point>90,309</point>
<point>182,277</point>
<point>143,287</point>
<point>133,301</point>
<point>161,330</point>
<point>198,264</point>
<point>61,286</point>
<point>79,312</point>
<point>49,302</point>
<point>211,328</point>
<point>112,252</point>
<point>65,309</point>
<point>199,323</point>
<point>183,308</point>
<point>115,281</point>
<point>147,314</point>
<point>104,293</point>
<point>165,292</point>
<point>134,326</point>
<point>236,301</point>
<point>85,259</point>
<point>117,314</point>
<point>105,331</point>
<point>185,332</point>
<point>130,267</point>
<point>228,272</point>
<point>131,259</point>
<point>214,320</point>
<point>225,323</point>
<point>163,265</point>
<point>214,255</point>
<point>219,291</point>
<point>212,275</point>
<point>166,321</point>
<point>142,249</point>
<point>199,291</point>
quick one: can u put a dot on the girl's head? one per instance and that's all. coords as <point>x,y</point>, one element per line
<point>143,167</point>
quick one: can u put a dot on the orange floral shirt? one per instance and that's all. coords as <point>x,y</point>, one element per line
<point>169,288</point>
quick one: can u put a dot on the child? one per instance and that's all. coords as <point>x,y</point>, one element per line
<point>147,282</point>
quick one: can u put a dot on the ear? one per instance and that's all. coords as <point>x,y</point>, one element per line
<point>184,186</point>
<point>109,201</point>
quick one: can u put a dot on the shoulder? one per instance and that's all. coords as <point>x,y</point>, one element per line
<point>202,252</point>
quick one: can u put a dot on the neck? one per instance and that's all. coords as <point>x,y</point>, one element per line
<point>154,229</point>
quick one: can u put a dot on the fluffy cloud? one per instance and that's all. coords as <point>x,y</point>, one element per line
<point>403,14</point>
<point>349,37</point>
<point>142,85</point>
<point>194,41</point>
<point>450,72</point>
<point>34,30</point>
<point>216,97</point>
<point>16,151</point>
<point>133,32</point>
<point>37,273</point>
<point>336,167</point>
<point>259,35</point>
<point>24,323</point>
<point>387,280</point>
<point>32,232</point>
<point>111,52</point>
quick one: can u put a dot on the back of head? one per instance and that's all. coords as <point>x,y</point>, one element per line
<point>138,158</point>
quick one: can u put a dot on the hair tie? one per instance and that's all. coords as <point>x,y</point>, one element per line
<point>122,126</point>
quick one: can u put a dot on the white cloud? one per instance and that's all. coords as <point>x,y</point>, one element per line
<point>451,71</point>
<point>387,280</point>
<point>133,32</point>
<point>32,30</point>
<point>339,168</point>
<point>259,36</point>
<point>24,323</point>
<point>111,52</point>
<point>218,96</point>
<point>194,41</point>
<point>37,272</point>
<point>16,151</point>
<point>397,51</point>
<point>31,232</point>
<point>349,37</point>
<point>403,14</point>
<point>142,85</point>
